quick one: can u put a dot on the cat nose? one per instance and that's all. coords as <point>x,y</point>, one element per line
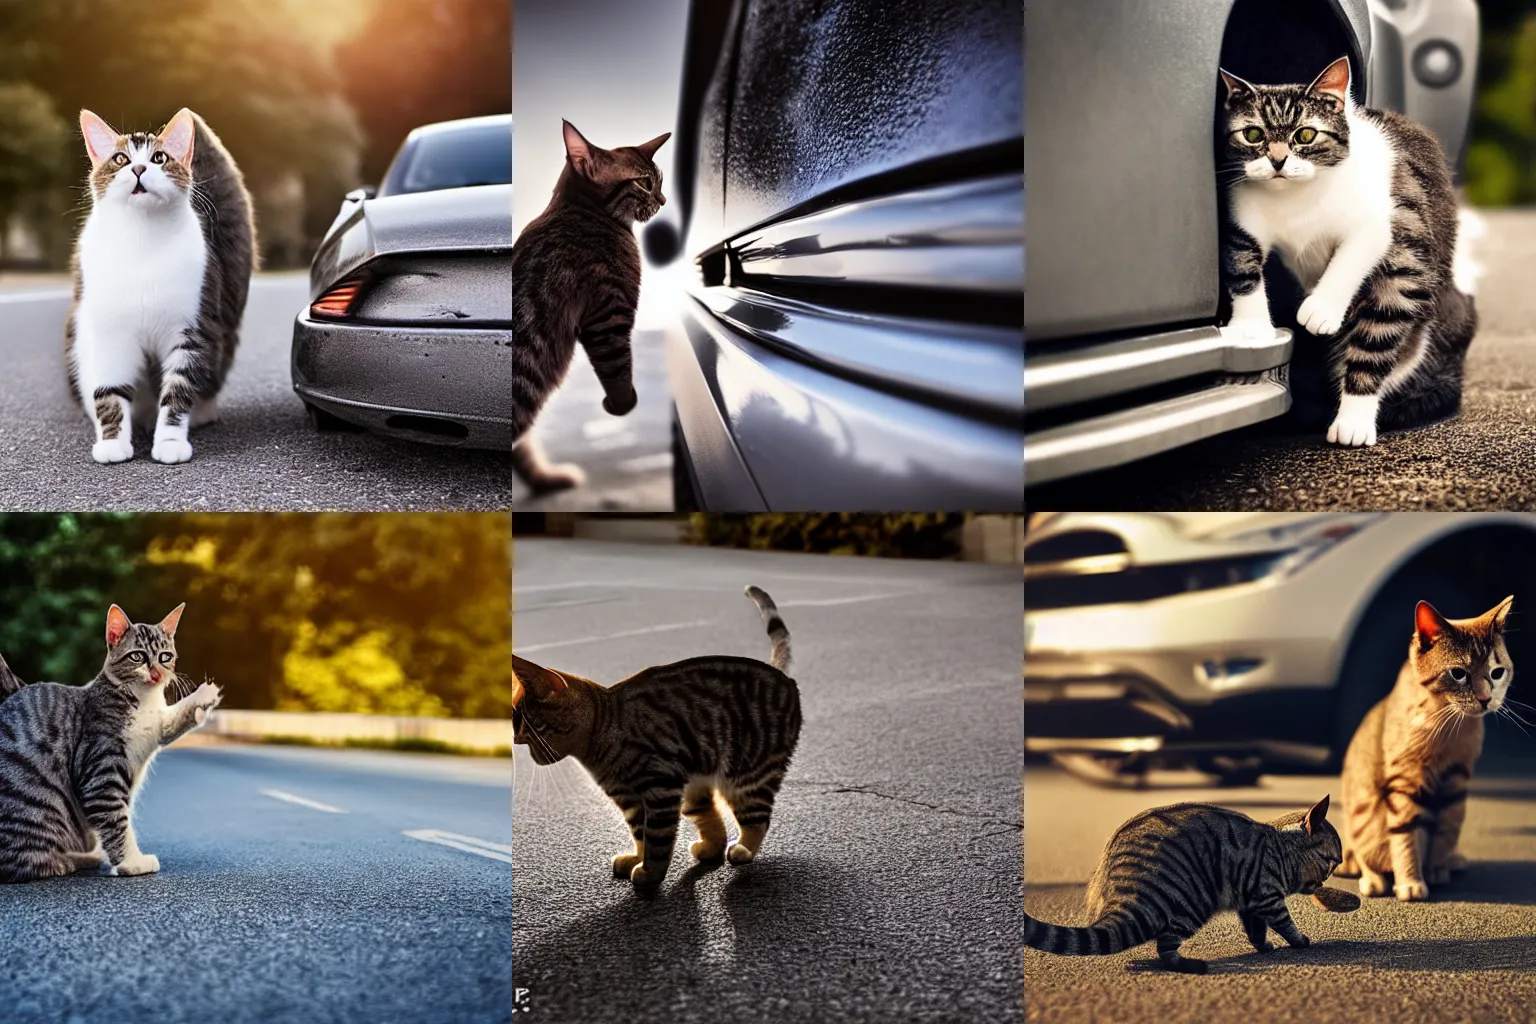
<point>1277,163</point>
<point>1484,700</point>
<point>138,169</point>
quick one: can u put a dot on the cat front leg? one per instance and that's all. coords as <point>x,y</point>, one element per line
<point>1380,345</point>
<point>178,397</point>
<point>662,806</point>
<point>1409,825</point>
<point>104,375</point>
<point>607,341</point>
<point>105,799</point>
<point>1242,267</point>
<point>1324,310</point>
<point>189,713</point>
<point>633,810</point>
<point>1452,801</point>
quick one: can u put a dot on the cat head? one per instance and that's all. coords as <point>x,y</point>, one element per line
<point>1463,662</point>
<point>1315,842</point>
<point>140,170</point>
<point>551,711</point>
<point>140,655</point>
<point>626,180</point>
<point>1277,134</point>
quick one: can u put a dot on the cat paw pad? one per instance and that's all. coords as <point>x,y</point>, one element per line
<point>1321,315</point>
<point>1410,892</point>
<point>171,450</point>
<point>118,449</point>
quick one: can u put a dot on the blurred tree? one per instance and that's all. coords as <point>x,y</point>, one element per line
<point>1501,160</point>
<point>890,535</point>
<point>420,61</point>
<point>58,574</point>
<point>33,142</point>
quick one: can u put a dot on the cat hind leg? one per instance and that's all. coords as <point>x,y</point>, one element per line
<point>699,807</point>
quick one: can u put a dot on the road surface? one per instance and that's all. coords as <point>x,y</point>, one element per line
<point>1469,954</point>
<point>1484,459</point>
<point>627,459</point>
<point>270,909</point>
<point>263,454</point>
<point>888,888</point>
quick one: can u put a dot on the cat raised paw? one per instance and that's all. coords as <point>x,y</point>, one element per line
<point>117,449</point>
<point>1322,314</point>
<point>171,450</point>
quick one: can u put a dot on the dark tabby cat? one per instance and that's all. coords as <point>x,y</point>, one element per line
<point>667,739</point>
<point>1167,871</point>
<point>1359,205</point>
<point>161,270</point>
<point>72,758</point>
<point>576,277</point>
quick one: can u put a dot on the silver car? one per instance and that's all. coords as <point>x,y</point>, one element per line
<point>1124,356</point>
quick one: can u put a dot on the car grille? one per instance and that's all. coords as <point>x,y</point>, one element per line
<point>1073,588</point>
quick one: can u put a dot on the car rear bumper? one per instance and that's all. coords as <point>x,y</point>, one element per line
<point>440,385</point>
<point>766,430</point>
<point>1129,401</point>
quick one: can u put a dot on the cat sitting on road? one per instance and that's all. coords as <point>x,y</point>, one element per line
<point>161,273</point>
<point>1358,203</point>
<point>73,758</point>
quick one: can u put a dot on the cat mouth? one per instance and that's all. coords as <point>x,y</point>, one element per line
<point>139,187</point>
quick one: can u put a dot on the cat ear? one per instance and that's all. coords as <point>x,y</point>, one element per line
<point>117,625</point>
<point>100,137</point>
<point>1333,82</point>
<point>577,150</point>
<point>169,622</point>
<point>1316,816</point>
<point>540,682</point>
<point>650,148</point>
<point>178,135</point>
<point>1428,624</point>
<point>1236,87</point>
<point>1501,612</point>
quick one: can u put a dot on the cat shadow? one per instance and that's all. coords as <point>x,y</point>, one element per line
<point>1512,953</point>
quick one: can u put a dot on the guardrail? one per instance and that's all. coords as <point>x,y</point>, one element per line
<point>486,735</point>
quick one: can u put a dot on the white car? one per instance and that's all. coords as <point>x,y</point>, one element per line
<point>1239,642</point>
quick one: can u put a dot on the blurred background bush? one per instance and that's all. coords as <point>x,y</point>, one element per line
<point>1501,160</point>
<point>373,613</point>
<point>890,535</point>
<point>312,97</point>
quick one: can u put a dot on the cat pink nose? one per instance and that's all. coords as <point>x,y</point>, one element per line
<point>139,169</point>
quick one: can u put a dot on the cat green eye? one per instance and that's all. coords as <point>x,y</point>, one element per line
<point>1306,135</point>
<point>158,158</point>
<point>1253,135</point>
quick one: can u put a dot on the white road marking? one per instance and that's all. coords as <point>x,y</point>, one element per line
<point>51,295</point>
<point>469,844</point>
<point>530,648</point>
<point>647,463</point>
<point>826,602</point>
<point>277,794</point>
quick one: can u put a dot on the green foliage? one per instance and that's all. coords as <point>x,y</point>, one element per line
<point>892,535</point>
<point>33,143</point>
<point>58,574</point>
<point>1501,159</point>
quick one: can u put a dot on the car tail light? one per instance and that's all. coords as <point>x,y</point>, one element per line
<point>339,301</point>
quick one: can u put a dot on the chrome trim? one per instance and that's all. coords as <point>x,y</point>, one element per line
<point>1124,745</point>
<point>962,363</point>
<point>964,237</point>
<point>1089,566</point>
<point>1055,378</point>
<point>1136,433</point>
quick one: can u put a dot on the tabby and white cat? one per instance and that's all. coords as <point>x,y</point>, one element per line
<point>161,272</point>
<point>576,277</point>
<point>1407,768</point>
<point>72,758</point>
<point>668,739</point>
<point>1167,871</point>
<point>1359,205</point>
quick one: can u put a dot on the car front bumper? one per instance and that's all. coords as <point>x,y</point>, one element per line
<point>440,385</point>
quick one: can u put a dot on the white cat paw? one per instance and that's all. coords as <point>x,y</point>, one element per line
<point>1252,330</point>
<point>1355,425</point>
<point>1372,884</point>
<point>1410,892</point>
<point>143,864</point>
<point>1322,314</point>
<point>119,449</point>
<point>171,450</point>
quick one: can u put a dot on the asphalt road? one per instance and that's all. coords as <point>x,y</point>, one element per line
<point>1468,954</point>
<point>1483,459</point>
<point>273,911</point>
<point>888,888</point>
<point>262,454</point>
<point>627,459</point>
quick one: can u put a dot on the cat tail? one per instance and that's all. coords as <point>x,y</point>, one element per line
<point>1466,271</point>
<point>1114,932</point>
<point>10,682</point>
<point>778,633</point>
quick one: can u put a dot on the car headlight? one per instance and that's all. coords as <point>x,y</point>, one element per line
<point>1308,540</point>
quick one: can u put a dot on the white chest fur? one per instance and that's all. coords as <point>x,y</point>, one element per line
<point>1306,221</point>
<point>141,275</point>
<point>141,739</point>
